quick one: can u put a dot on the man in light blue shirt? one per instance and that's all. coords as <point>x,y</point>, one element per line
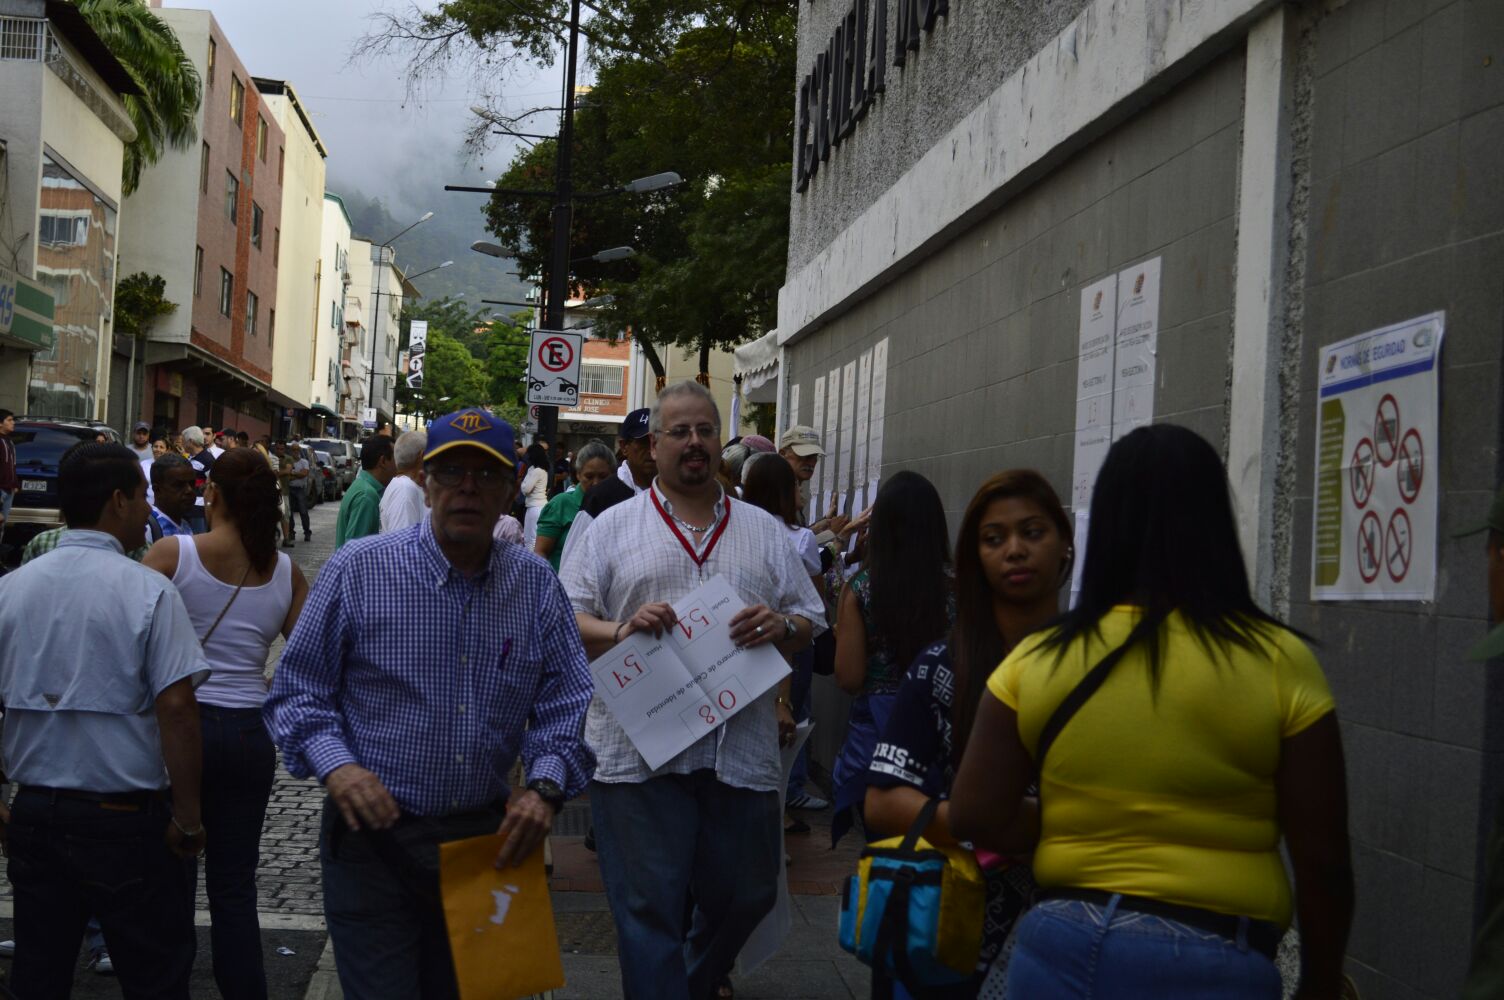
<point>101,735</point>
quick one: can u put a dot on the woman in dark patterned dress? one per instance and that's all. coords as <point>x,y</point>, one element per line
<point>1012,557</point>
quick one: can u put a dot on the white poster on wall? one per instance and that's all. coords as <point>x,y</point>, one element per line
<point>879,412</point>
<point>1137,343</point>
<point>863,423</point>
<point>848,431</point>
<point>792,416</point>
<point>1374,530</point>
<point>1094,376</point>
<point>829,441</point>
<point>817,420</point>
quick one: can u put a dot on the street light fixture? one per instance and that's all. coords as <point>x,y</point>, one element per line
<point>607,256</point>
<point>489,249</point>
<point>436,267</point>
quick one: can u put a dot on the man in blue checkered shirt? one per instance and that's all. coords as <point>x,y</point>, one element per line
<point>423,661</point>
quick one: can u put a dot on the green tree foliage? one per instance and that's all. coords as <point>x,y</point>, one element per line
<point>449,370</point>
<point>507,346</point>
<point>139,302</point>
<point>497,357</point>
<point>700,87</point>
<point>165,111</point>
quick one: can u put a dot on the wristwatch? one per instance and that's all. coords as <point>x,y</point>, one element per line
<point>789,628</point>
<point>548,791</point>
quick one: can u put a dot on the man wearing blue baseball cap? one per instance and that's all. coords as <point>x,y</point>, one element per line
<point>413,721</point>
<point>635,444</point>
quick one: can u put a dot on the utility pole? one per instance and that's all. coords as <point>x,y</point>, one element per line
<point>558,276</point>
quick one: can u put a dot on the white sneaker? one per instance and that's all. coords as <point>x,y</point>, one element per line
<point>100,963</point>
<point>7,949</point>
<point>804,800</point>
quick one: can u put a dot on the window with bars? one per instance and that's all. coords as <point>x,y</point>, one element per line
<point>600,380</point>
<point>21,38</point>
<point>213,54</point>
<point>252,306</point>
<point>226,292</point>
<point>257,216</point>
<point>232,197</point>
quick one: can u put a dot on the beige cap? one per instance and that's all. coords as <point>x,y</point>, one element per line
<point>803,439</point>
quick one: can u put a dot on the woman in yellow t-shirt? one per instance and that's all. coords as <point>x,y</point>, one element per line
<point>1164,798</point>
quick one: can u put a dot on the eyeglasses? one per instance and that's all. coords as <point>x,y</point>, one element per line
<point>706,432</point>
<point>488,478</point>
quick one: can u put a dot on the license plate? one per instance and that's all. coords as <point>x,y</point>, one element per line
<point>34,485</point>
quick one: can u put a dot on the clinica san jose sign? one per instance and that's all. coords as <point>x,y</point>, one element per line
<point>851,71</point>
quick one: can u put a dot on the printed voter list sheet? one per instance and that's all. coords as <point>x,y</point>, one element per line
<point>668,692</point>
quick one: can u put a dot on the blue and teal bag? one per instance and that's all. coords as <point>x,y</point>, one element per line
<point>913,911</point>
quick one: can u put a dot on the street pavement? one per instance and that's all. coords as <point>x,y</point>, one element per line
<point>290,898</point>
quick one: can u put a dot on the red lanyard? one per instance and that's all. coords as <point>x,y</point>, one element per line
<point>715,536</point>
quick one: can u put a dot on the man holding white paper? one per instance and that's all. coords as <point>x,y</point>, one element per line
<point>707,822</point>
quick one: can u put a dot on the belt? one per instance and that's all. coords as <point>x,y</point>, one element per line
<point>138,800</point>
<point>1261,935</point>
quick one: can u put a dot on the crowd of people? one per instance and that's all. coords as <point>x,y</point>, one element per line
<point>1124,771</point>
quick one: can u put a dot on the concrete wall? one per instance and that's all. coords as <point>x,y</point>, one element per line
<point>301,234</point>
<point>334,246</point>
<point>1406,216</point>
<point>961,60</point>
<point>159,221</point>
<point>1307,172</point>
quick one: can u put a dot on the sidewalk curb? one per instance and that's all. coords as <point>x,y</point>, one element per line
<point>325,982</point>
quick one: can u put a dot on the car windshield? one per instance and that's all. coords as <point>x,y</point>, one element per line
<point>331,447</point>
<point>43,447</point>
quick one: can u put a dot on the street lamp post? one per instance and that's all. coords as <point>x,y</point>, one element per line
<point>383,249</point>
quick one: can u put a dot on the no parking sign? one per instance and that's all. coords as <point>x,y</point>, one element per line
<point>553,370</point>
<point>1376,445</point>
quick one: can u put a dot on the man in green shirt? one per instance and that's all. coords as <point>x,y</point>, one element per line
<point>360,510</point>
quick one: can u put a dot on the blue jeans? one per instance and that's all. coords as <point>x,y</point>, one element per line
<point>1071,949</point>
<point>387,925</point>
<point>70,858</point>
<point>659,841</point>
<point>239,765</point>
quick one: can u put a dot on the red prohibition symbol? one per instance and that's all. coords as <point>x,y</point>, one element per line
<point>1370,547</point>
<point>1386,430</point>
<point>556,355</point>
<point>1398,544</point>
<point>1363,473</point>
<point>1411,469</point>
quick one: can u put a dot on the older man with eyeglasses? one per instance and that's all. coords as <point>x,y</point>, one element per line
<point>413,721</point>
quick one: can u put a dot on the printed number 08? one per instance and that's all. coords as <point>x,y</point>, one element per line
<point>726,699</point>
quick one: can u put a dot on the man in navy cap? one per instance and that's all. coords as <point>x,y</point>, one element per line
<point>1486,977</point>
<point>412,721</point>
<point>636,448</point>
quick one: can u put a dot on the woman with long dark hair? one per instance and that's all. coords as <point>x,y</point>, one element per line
<point>901,601</point>
<point>1163,798</point>
<point>532,492</point>
<point>240,593</point>
<point>1012,556</point>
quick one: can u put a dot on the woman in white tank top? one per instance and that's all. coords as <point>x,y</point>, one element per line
<point>533,491</point>
<point>240,593</point>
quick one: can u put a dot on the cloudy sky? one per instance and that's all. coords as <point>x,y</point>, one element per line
<point>380,141</point>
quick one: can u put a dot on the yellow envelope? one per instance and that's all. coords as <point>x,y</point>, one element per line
<point>501,923</point>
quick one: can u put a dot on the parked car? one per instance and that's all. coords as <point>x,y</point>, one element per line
<point>346,462</point>
<point>40,443</point>
<point>328,481</point>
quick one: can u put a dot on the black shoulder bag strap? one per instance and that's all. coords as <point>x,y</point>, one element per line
<point>1079,696</point>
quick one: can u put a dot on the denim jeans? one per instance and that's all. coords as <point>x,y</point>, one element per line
<point>660,840</point>
<point>239,765</point>
<point>1071,949</point>
<point>297,503</point>
<point>799,689</point>
<point>71,858</point>
<point>390,939</point>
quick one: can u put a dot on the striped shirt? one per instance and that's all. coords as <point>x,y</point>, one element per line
<point>430,679</point>
<point>629,557</point>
